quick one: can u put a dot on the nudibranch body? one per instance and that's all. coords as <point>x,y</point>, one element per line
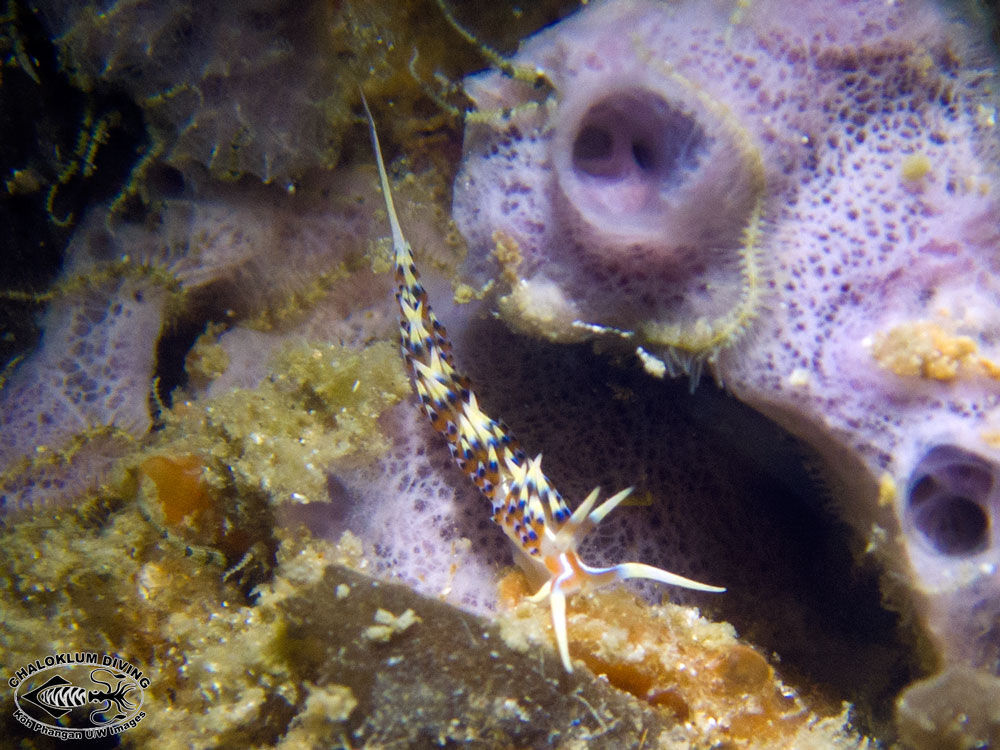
<point>525,505</point>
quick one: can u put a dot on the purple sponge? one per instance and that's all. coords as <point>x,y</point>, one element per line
<point>803,195</point>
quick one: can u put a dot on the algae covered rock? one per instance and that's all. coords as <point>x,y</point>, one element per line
<point>326,656</point>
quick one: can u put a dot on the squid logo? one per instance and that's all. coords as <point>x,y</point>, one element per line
<point>79,696</point>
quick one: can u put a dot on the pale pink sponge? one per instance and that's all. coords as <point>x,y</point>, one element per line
<point>89,378</point>
<point>75,403</point>
<point>593,203</point>
<point>804,196</point>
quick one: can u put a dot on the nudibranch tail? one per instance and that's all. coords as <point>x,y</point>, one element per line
<point>526,506</point>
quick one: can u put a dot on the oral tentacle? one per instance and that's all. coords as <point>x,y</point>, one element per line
<point>557,603</point>
<point>624,571</point>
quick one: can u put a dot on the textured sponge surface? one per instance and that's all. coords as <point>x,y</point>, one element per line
<point>813,187</point>
<point>88,375</point>
<point>89,372</point>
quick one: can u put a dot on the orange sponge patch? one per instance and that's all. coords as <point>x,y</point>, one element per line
<point>179,485</point>
<point>720,689</point>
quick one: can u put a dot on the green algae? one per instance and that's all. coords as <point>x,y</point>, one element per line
<point>226,674</point>
<point>113,574</point>
<point>318,409</point>
<point>326,656</point>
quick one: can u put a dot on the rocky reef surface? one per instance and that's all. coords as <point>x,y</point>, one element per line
<point>214,444</point>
